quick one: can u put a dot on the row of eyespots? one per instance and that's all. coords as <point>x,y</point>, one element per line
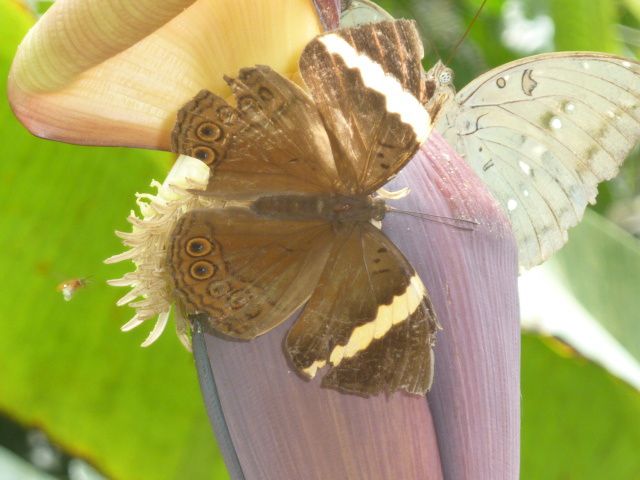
<point>199,247</point>
<point>211,132</point>
<point>203,270</point>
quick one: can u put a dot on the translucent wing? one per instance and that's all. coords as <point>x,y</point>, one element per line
<point>542,132</point>
<point>369,318</point>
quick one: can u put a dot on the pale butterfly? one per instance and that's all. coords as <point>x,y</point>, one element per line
<point>541,132</point>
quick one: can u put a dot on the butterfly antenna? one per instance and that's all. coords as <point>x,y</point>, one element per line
<point>466,33</point>
<point>459,223</point>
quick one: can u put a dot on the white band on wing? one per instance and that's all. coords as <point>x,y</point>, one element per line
<point>398,100</point>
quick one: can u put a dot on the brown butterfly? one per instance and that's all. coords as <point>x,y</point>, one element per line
<point>297,174</point>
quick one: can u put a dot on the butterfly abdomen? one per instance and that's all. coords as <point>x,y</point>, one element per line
<point>332,208</point>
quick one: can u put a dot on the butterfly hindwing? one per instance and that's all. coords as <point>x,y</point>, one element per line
<point>368,85</point>
<point>542,132</point>
<point>369,319</point>
<point>245,273</point>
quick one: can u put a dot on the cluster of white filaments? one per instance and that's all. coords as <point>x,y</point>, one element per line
<point>151,293</point>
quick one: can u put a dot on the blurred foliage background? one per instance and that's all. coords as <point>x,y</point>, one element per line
<point>77,397</point>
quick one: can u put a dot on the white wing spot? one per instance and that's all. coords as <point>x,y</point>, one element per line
<point>586,65</point>
<point>539,150</point>
<point>512,204</point>
<point>569,107</point>
<point>626,64</point>
<point>555,123</point>
<point>526,193</point>
<point>525,167</point>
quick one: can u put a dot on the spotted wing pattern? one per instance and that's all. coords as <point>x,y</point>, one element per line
<point>244,273</point>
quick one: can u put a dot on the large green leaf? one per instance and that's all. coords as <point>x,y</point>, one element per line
<point>578,421</point>
<point>586,25</point>
<point>65,366</point>
<point>601,266</point>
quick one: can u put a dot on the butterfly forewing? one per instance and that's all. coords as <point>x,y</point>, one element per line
<point>204,127</point>
<point>245,273</point>
<point>369,319</point>
<point>367,83</point>
<point>542,132</point>
<point>272,141</point>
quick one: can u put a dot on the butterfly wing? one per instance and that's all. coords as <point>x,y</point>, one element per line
<point>245,274</point>
<point>368,85</point>
<point>369,318</point>
<point>272,141</point>
<point>542,132</point>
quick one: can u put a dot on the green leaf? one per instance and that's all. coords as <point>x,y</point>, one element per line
<point>633,6</point>
<point>600,265</point>
<point>578,421</point>
<point>66,367</point>
<point>585,25</point>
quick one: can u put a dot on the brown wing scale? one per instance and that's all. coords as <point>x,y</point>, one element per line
<point>204,128</point>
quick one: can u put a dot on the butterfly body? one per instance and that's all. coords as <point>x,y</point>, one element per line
<point>336,209</point>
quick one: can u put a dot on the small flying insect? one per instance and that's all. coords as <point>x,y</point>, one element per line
<point>71,286</point>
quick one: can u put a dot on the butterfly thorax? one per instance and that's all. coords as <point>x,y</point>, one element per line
<point>330,207</point>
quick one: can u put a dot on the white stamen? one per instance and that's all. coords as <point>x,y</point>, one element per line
<point>158,328</point>
<point>131,324</point>
<point>151,293</point>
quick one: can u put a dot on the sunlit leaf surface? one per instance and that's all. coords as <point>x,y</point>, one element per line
<point>66,367</point>
<point>578,421</point>
<point>601,266</point>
